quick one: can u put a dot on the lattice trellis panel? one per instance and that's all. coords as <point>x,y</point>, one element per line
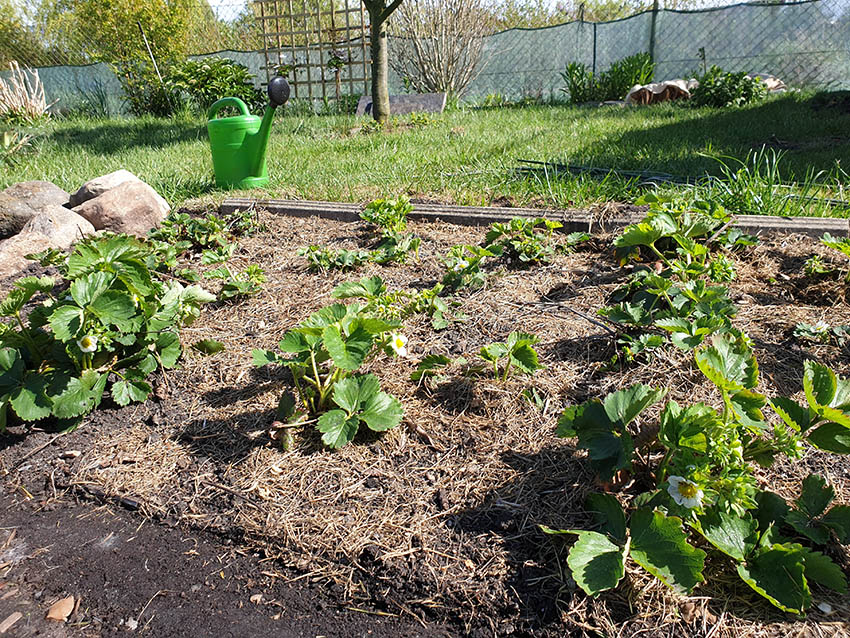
<point>320,46</point>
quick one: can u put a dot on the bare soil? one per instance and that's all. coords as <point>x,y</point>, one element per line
<point>432,527</point>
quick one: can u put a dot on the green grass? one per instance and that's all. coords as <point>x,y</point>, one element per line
<point>465,156</point>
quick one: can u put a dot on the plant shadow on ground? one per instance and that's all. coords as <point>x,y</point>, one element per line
<point>550,491</point>
<point>119,136</point>
<point>729,131</point>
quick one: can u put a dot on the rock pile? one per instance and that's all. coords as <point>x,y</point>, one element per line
<point>35,216</point>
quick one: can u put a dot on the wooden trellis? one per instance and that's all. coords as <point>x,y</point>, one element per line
<point>301,37</point>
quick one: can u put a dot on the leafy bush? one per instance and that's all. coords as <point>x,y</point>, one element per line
<point>718,88</point>
<point>107,322</point>
<point>585,86</point>
<point>327,350</point>
<point>204,81</point>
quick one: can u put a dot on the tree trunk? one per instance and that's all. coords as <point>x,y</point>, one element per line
<point>380,66</point>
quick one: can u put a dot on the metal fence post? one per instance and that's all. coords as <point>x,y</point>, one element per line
<point>594,48</point>
<point>652,30</point>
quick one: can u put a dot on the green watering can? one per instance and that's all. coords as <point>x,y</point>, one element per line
<point>239,143</point>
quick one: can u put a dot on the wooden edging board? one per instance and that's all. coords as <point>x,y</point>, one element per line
<point>572,220</point>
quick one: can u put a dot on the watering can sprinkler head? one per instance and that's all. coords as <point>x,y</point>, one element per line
<point>278,91</point>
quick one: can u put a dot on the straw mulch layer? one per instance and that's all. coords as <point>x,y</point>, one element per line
<point>439,518</point>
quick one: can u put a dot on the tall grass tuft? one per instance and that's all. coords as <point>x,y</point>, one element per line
<point>22,100</point>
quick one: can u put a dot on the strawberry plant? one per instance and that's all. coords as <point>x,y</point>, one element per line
<point>528,241</point>
<point>463,267</point>
<point>396,304</point>
<point>517,352</point>
<point>389,215</point>
<point>702,464</point>
<point>321,258</point>
<point>326,352</point>
<point>104,325</point>
<point>238,284</point>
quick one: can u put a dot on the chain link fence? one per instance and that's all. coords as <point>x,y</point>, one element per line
<point>806,44</point>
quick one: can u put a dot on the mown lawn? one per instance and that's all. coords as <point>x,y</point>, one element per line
<point>464,156</point>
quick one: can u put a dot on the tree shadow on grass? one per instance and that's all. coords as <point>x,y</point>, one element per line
<point>676,139</point>
<point>122,135</point>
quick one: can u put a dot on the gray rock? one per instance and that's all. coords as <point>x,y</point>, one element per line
<point>60,225</point>
<point>406,104</point>
<point>21,202</point>
<point>99,185</point>
<point>132,207</point>
<point>12,251</point>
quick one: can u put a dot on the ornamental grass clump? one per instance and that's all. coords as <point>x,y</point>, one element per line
<point>22,100</point>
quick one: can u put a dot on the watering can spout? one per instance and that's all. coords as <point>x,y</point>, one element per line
<point>278,91</point>
<point>239,143</point>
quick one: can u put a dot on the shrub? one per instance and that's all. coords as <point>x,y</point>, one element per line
<point>719,88</point>
<point>202,82</point>
<point>585,86</point>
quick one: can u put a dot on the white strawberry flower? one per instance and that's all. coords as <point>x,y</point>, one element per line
<point>684,492</point>
<point>87,343</point>
<point>460,265</point>
<point>399,344</point>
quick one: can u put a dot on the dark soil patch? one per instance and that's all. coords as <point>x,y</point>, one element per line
<point>437,520</point>
<point>131,576</point>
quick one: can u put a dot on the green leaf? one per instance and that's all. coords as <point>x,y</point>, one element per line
<point>728,363</point>
<point>29,400</point>
<point>733,535</point>
<point>524,357</point>
<point>823,571</point>
<point>832,437</point>
<point>347,352</point>
<point>778,574</point>
<point>772,510</point>
<point>815,496</point>
<point>262,358</point>
<point>168,346</point>
<point>350,393</point>
<point>608,514</point>
<point>24,290</point>
<point>368,288</point>
<point>294,342</point>
<point>596,563</point>
<point>12,369</point>
<point>803,525</point>
<point>686,428</point>
<point>623,406</point>
<point>747,406</point>
<point>660,546</point>
<point>493,352</point>
<point>792,413</point>
<point>127,391</point>
<point>209,346</point>
<point>819,383</point>
<point>115,308</point>
<point>88,288</point>
<point>337,428</point>
<point>838,520</point>
<point>429,365</point>
<point>80,395</point>
<point>609,450</point>
<point>66,322</point>
<point>382,412</point>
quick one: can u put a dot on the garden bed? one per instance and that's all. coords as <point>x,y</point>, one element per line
<point>438,520</point>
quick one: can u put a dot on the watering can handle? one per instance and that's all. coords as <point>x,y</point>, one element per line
<point>228,101</point>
